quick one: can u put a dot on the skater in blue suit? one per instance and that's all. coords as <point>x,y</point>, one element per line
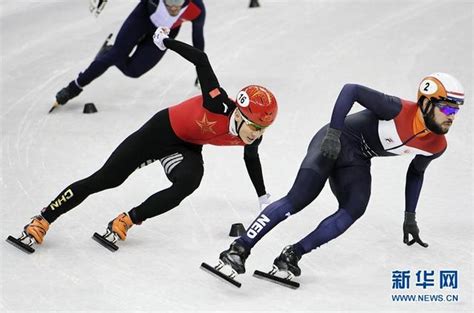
<point>137,33</point>
<point>341,152</point>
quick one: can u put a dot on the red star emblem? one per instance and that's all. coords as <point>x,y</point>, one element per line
<point>206,125</point>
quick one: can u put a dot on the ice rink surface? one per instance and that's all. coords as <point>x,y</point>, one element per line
<point>302,50</point>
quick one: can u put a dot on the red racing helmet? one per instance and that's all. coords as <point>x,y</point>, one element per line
<point>258,105</point>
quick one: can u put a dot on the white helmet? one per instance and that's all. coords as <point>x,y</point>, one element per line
<point>441,86</point>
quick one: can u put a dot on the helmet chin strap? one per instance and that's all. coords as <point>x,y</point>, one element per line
<point>234,129</point>
<point>238,127</point>
<point>429,108</point>
<point>428,118</point>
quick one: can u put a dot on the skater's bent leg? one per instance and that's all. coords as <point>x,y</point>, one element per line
<point>271,216</point>
<point>312,175</point>
<point>331,227</point>
<point>145,57</point>
<point>134,27</point>
<point>306,188</point>
<point>186,178</point>
<point>121,163</point>
<point>309,182</point>
<point>351,186</point>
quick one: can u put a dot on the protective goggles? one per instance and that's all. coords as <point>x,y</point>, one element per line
<point>172,3</point>
<point>446,109</point>
<point>252,125</point>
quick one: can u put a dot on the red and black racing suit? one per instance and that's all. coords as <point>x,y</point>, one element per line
<point>173,136</point>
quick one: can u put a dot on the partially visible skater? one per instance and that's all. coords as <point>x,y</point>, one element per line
<point>136,35</point>
<point>341,152</point>
<point>174,137</point>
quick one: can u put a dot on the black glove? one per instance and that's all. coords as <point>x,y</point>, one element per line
<point>411,228</point>
<point>331,145</point>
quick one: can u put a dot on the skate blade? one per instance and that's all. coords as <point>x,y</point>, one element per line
<point>104,242</point>
<point>55,105</point>
<point>221,275</point>
<point>275,279</point>
<point>20,245</point>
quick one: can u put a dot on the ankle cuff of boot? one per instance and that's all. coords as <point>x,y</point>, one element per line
<point>133,216</point>
<point>75,85</point>
<point>243,244</point>
<point>50,218</point>
<point>299,250</point>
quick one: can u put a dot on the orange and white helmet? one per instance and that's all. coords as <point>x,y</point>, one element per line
<point>441,86</point>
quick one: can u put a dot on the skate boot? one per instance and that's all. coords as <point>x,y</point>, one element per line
<point>67,93</point>
<point>288,261</point>
<point>231,263</point>
<point>116,229</point>
<point>120,225</point>
<point>287,264</point>
<point>235,256</point>
<point>37,228</point>
<point>32,233</point>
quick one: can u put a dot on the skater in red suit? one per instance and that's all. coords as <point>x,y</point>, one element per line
<point>174,137</point>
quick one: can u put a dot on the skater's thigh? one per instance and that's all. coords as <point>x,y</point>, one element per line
<point>314,159</point>
<point>184,169</point>
<point>145,57</point>
<point>352,188</point>
<point>129,155</point>
<point>133,29</point>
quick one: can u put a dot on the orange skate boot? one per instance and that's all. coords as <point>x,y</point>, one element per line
<point>116,229</point>
<point>32,233</point>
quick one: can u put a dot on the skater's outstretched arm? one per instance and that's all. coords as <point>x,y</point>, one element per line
<point>384,106</point>
<point>213,94</point>
<point>254,167</point>
<point>414,179</point>
<point>414,182</point>
<point>198,58</point>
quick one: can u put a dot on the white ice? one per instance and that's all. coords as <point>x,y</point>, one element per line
<point>302,50</point>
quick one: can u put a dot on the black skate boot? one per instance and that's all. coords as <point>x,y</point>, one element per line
<point>67,93</point>
<point>288,261</point>
<point>235,256</point>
